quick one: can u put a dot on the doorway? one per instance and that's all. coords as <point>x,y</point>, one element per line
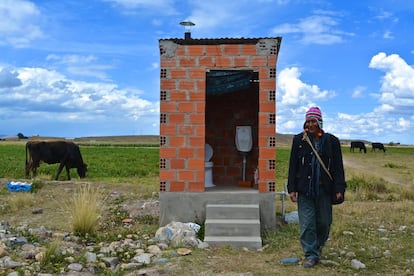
<point>232,99</point>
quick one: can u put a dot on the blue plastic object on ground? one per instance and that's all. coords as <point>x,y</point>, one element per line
<point>13,186</point>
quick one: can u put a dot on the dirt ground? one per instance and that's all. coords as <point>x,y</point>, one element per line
<point>53,193</point>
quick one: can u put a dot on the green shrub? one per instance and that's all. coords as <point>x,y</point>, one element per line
<point>358,183</point>
<point>36,185</point>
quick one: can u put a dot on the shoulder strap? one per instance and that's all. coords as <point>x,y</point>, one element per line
<point>306,138</point>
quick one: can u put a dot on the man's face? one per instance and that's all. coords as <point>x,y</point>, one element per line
<point>312,126</point>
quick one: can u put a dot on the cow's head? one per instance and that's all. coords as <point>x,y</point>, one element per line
<point>82,170</point>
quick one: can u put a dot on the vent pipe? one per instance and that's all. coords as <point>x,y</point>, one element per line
<point>187,26</point>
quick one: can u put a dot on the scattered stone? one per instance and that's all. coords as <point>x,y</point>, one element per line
<point>203,245</point>
<point>154,249</point>
<point>17,241</point>
<point>90,257</point>
<point>70,259</point>
<point>37,211</point>
<point>387,253</point>
<point>131,266</point>
<point>403,228</point>
<point>144,258</point>
<point>110,261</point>
<point>75,267</point>
<point>9,263</point>
<point>127,220</point>
<point>183,251</point>
<point>39,256</point>
<point>350,255</point>
<point>329,263</point>
<point>357,264</point>
<point>348,233</point>
<point>289,261</point>
<point>161,261</point>
<point>164,246</point>
<point>3,252</point>
<point>177,233</point>
<point>292,217</point>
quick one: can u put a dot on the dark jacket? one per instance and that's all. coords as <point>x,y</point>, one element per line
<point>300,164</point>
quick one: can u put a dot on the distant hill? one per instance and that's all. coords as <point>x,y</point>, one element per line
<point>281,139</point>
<point>120,139</point>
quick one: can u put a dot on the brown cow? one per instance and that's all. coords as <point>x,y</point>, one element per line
<point>51,152</point>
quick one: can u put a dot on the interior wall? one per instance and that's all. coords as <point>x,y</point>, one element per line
<point>223,113</point>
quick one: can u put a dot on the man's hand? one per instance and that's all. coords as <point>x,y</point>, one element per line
<point>339,195</point>
<point>293,196</point>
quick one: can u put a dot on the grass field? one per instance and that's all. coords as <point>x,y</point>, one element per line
<point>375,225</point>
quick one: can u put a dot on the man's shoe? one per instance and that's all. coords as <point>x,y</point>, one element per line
<point>310,263</point>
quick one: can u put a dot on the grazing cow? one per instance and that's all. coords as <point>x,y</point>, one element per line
<point>51,152</point>
<point>379,146</point>
<point>358,144</point>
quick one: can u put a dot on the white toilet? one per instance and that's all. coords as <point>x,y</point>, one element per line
<point>208,166</point>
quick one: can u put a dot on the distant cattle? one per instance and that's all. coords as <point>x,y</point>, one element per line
<point>379,146</point>
<point>52,152</point>
<point>358,144</point>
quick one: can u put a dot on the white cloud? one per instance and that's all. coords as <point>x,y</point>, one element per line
<point>315,29</point>
<point>9,78</point>
<point>294,97</point>
<point>165,7</point>
<point>220,18</point>
<point>358,92</point>
<point>55,96</point>
<point>294,92</point>
<point>18,24</point>
<point>397,86</point>
<point>388,35</point>
<point>81,65</point>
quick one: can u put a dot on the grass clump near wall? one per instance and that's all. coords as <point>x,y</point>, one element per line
<point>84,208</point>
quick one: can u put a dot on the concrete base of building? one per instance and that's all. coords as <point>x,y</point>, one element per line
<point>191,207</point>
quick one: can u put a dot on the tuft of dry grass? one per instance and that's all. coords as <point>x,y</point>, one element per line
<point>84,208</point>
<point>19,201</point>
<point>50,255</point>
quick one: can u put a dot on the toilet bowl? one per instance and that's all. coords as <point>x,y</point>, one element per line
<point>208,166</point>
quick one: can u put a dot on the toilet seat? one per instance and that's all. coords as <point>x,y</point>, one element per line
<point>208,166</point>
<point>208,152</point>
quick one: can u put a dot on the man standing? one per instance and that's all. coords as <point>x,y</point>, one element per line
<point>312,182</point>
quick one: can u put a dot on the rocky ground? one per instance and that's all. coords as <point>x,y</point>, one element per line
<point>28,250</point>
<point>20,254</point>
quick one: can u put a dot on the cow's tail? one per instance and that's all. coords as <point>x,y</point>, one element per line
<point>26,167</point>
<point>26,153</point>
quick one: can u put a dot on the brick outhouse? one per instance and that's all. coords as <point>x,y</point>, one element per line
<point>208,88</point>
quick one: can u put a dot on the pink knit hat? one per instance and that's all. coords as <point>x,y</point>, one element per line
<point>315,113</point>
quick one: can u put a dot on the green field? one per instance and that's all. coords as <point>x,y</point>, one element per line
<point>106,162</point>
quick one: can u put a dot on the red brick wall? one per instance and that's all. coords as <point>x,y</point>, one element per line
<point>189,119</point>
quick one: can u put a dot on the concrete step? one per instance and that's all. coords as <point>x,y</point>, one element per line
<point>232,227</point>
<point>235,242</point>
<point>234,211</point>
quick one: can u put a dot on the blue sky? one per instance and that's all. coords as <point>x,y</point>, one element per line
<point>73,68</point>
